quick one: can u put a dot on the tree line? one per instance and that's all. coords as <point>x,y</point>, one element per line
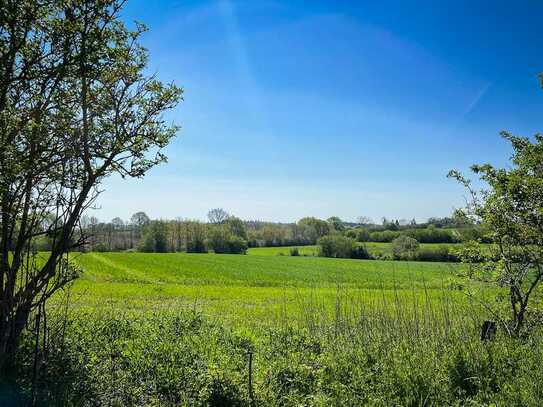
<point>225,233</point>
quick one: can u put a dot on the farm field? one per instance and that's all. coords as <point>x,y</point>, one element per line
<point>318,331</point>
<point>252,290</point>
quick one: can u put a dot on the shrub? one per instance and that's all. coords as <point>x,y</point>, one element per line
<point>335,246</point>
<point>294,251</point>
<point>221,241</point>
<point>236,245</point>
<point>360,251</point>
<point>359,234</point>
<point>404,248</point>
<point>442,253</point>
<point>385,236</point>
<point>433,235</point>
<point>196,246</point>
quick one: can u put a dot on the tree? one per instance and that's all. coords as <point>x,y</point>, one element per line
<point>155,237</point>
<point>511,211</point>
<point>117,223</point>
<point>75,107</point>
<point>195,235</point>
<point>336,223</point>
<point>312,229</point>
<point>140,219</point>
<point>221,241</point>
<point>336,246</point>
<point>364,220</point>
<point>217,216</point>
<point>404,247</point>
<point>236,227</point>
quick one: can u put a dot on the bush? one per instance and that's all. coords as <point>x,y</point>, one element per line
<point>221,241</point>
<point>359,234</point>
<point>433,235</point>
<point>335,246</point>
<point>236,245</point>
<point>404,248</point>
<point>442,253</point>
<point>196,246</point>
<point>360,252</point>
<point>294,251</point>
<point>385,236</point>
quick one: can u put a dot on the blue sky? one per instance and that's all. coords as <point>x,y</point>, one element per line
<point>297,108</point>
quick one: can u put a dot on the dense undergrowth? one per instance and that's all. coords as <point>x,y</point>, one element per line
<point>428,355</point>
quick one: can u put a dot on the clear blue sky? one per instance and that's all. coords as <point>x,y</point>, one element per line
<point>296,108</point>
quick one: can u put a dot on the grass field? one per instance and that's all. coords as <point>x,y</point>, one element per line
<point>181,329</point>
<point>251,289</point>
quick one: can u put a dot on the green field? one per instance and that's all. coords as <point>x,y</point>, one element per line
<point>250,289</point>
<point>179,329</point>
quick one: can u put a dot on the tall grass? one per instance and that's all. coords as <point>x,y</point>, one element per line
<point>395,346</point>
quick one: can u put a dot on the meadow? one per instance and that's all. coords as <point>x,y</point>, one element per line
<point>255,289</point>
<point>244,330</point>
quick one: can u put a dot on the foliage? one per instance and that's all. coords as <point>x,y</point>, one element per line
<point>359,234</point>
<point>76,106</point>
<point>385,236</point>
<point>311,229</point>
<point>431,234</point>
<point>155,239</point>
<point>405,247</point>
<point>164,358</point>
<point>221,241</point>
<point>294,251</point>
<point>194,235</point>
<point>336,246</point>
<point>236,227</point>
<point>336,224</point>
<point>441,253</point>
<point>360,251</point>
<point>511,210</point>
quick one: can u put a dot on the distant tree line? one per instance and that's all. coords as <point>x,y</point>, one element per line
<point>225,233</point>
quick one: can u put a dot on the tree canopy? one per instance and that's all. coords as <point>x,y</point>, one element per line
<point>75,107</point>
<point>511,210</point>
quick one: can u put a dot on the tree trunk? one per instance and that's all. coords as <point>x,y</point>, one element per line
<point>10,338</point>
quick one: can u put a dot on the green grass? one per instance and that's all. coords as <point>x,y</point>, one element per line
<point>251,289</point>
<point>256,271</point>
<point>284,250</point>
<point>177,329</point>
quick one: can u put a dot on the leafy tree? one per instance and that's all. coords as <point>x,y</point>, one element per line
<point>236,227</point>
<point>75,108</point>
<point>404,247</point>
<point>312,229</point>
<point>155,237</point>
<point>140,219</point>
<point>221,241</point>
<point>511,211</point>
<point>194,236</point>
<point>336,224</point>
<point>335,246</point>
